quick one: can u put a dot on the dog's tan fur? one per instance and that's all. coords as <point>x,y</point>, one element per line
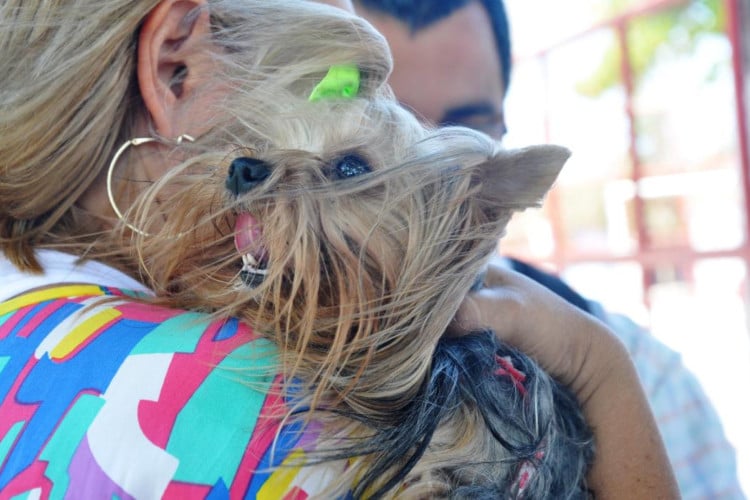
<point>364,274</point>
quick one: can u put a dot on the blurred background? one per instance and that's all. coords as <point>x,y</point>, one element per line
<point>651,214</point>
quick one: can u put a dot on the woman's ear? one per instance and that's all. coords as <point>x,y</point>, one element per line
<point>171,59</point>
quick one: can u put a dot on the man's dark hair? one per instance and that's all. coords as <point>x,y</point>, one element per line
<point>419,14</point>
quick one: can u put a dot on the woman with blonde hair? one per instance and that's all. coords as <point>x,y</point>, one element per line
<point>105,391</point>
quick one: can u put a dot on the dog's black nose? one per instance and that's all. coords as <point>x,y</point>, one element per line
<point>246,173</point>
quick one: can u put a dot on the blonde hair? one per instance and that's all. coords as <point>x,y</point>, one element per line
<point>68,97</point>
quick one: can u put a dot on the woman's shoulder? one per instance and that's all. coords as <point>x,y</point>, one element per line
<point>66,318</point>
<point>101,389</point>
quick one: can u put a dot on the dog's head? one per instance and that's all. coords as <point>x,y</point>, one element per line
<point>349,234</point>
<point>359,231</point>
<point>342,229</point>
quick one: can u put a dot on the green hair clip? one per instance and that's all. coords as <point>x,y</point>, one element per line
<point>341,82</point>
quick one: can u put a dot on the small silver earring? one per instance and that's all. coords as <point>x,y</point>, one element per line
<point>110,192</point>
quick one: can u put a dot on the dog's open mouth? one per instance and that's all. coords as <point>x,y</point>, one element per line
<point>248,238</point>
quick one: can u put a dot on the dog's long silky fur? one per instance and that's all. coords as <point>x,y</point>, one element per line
<point>364,274</point>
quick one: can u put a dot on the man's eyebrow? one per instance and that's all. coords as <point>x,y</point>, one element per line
<point>459,114</point>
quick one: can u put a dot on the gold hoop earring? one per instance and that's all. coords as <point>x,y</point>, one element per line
<point>110,192</point>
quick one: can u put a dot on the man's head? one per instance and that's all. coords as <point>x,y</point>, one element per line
<point>452,59</point>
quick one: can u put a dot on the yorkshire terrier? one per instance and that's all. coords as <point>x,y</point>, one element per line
<point>348,233</point>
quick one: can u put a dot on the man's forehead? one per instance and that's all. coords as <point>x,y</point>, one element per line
<point>448,65</point>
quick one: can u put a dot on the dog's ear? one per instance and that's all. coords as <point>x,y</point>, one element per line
<point>519,178</point>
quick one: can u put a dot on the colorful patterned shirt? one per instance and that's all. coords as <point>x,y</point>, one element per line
<point>103,396</point>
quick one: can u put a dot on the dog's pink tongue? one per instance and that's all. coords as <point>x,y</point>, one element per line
<point>247,234</point>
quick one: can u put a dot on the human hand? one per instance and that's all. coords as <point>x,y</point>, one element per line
<point>581,352</point>
<point>573,346</point>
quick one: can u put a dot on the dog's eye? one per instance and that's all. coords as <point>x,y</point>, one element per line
<point>350,165</point>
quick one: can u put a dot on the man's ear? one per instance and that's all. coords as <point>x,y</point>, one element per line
<point>518,179</point>
<point>169,57</point>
